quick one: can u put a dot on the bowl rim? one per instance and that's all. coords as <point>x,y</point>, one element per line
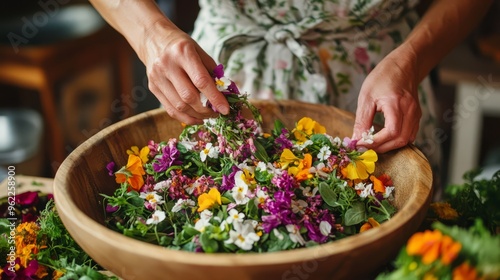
<point>68,210</point>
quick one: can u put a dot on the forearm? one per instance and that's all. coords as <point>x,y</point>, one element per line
<point>444,25</point>
<point>134,19</point>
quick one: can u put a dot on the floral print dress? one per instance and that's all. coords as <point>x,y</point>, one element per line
<point>317,51</point>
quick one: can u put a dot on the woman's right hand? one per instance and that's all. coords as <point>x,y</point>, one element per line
<point>178,71</point>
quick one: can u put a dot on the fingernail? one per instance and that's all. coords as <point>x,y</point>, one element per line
<point>223,109</point>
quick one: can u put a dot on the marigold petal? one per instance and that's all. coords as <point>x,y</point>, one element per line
<point>366,226</point>
<point>378,186</point>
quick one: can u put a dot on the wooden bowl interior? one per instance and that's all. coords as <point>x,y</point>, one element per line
<point>83,177</point>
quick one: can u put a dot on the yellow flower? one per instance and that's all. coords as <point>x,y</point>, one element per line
<point>142,154</point>
<point>307,127</point>
<point>287,157</point>
<point>371,223</point>
<point>208,200</point>
<point>132,173</point>
<point>361,166</point>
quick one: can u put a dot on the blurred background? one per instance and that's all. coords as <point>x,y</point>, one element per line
<point>65,75</point>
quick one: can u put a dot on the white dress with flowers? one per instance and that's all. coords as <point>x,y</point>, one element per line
<point>317,51</point>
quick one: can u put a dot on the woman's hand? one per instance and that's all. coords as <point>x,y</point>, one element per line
<point>178,71</point>
<point>391,88</point>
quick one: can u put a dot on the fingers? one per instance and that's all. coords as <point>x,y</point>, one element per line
<point>191,117</point>
<point>364,118</point>
<point>401,124</point>
<point>178,73</point>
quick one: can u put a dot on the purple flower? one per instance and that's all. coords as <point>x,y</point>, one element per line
<point>111,168</point>
<point>219,73</point>
<point>270,222</point>
<point>228,180</point>
<point>283,142</point>
<point>314,232</point>
<point>284,182</point>
<point>349,143</point>
<point>170,156</point>
<point>111,209</point>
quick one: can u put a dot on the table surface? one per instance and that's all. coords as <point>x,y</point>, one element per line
<point>27,183</point>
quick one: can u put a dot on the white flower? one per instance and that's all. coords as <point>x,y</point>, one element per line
<point>294,234</point>
<point>388,191</point>
<point>307,191</point>
<point>206,215</point>
<point>298,206</point>
<point>183,204</point>
<point>210,151</point>
<point>368,136</point>
<point>261,166</point>
<point>240,189</point>
<point>162,185</point>
<point>156,218</point>
<point>336,141</point>
<point>151,197</point>
<point>223,225</point>
<point>189,145</point>
<point>204,220</point>
<point>235,216</point>
<point>318,170</point>
<point>303,145</point>
<point>278,234</point>
<point>325,228</point>
<point>261,197</point>
<point>324,153</point>
<point>366,189</point>
<point>242,236</point>
<point>222,84</point>
<point>203,99</point>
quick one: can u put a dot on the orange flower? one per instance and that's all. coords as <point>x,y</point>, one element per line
<point>449,250</point>
<point>303,168</point>
<point>371,223</point>
<point>26,245</point>
<point>132,173</point>
<point>378,185</point>
<point>464,272</point>
<point>432,245</point>
<point>425,244</point>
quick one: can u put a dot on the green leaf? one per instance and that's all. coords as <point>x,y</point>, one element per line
<point>208,244</point>
<point>261,151</point>
<point>355,215</point>
<point>328,195</point>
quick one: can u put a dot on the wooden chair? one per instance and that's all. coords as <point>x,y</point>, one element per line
<point>41,67</point>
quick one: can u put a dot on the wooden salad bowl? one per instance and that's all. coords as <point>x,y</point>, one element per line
<point>83,177</point>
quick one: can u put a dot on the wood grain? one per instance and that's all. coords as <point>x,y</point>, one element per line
<point>83,177</point>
